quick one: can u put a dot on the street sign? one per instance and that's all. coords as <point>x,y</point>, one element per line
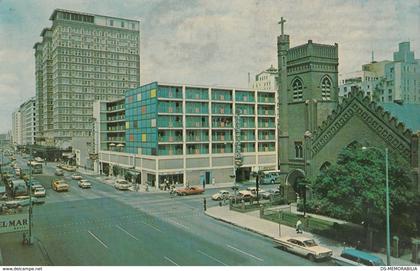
<point>14,223</point>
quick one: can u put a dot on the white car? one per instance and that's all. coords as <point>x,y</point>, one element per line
<point>84,184</point>
<point>221,195</point>
<point>122,185</point>
<point>39,192</point>
<point>76,177</point>
<point>304,246</point>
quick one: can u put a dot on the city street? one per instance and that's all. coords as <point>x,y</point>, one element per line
<point>103,226</point>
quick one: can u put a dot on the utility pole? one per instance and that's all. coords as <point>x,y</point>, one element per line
<point>30,201</point>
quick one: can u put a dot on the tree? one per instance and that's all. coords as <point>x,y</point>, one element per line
<point>354,190</point>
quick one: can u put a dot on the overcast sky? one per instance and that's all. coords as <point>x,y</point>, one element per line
<point>211,41</point>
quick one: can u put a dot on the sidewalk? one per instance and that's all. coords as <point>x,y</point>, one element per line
<point>252,222</point>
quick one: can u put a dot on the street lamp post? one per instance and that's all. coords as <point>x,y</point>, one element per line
<point>388,230</point>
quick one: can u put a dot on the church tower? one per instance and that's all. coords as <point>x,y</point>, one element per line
<point>283,44</point>
<point>308,91</point>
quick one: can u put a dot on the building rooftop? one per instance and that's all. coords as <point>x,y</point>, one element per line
<point>406,113</point>
<point>54,14</point>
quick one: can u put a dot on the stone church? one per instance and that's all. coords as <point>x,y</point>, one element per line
<point>314,127</point>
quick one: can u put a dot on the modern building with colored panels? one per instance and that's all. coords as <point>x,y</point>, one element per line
<point>186,134</point>
<point>82,57</point>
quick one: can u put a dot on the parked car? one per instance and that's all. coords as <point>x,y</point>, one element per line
<point>304,246</point>
<point>192,190</point>
<point>244,195</point>
<point>122,184</point>
<point>352,256</point>
<point>221,195</point>
<point>39,192</point>
<point>271,192</point>
<point>59,185</point>
<point>59,172</point>
<point>84,184</point>
<point>76,177</point>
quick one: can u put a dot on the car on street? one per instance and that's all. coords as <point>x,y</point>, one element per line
<point>59,172</point>
<point>304,246</point>
<point>39,192</point>
<point>122,184</point>
<point>270,193</point>
<point>192,190</point>
<point>221,195</point>
<point>352,256</point>
<point>244,195</point>
<point>76,177</point>
<point>59,185</point>
<point>84,184</point>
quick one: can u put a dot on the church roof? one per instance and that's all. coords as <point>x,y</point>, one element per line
<point>392,129</point>
<point>409,114</point>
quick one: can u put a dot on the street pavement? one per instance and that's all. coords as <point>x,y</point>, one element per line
<point>251,221</point>
<point>103,226</point>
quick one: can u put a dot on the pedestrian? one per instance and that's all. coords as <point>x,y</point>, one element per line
<point>299,226</point>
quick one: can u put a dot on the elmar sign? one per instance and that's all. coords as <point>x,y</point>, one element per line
<point>14,223</point>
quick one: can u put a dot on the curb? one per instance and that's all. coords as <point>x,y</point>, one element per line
<point>240,226</point>
<point>333,257</point>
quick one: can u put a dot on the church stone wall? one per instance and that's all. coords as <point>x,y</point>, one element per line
<point>354,130</point>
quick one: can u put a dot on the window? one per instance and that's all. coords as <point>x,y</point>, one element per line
<point>326,88</point>
<point>297,88</point>
<point>111,22</point>
<point>298,149</point>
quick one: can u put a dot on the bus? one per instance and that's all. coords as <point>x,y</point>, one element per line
<point>36,167</point>
<point>271,177</point>
<point>19,188</point>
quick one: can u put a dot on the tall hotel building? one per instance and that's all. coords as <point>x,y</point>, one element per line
<point>186,134</point>
<point>82,57</point>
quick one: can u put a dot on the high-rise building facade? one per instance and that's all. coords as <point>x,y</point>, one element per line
<point>186,134</point>
<point>402,77</point>
<point>28,115</point>
<point>82,57</point>
<point>17,127</point>
<point>23,123</point>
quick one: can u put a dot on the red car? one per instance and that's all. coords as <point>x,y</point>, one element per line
<point>193,190</point>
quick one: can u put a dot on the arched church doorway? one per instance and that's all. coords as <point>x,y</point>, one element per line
<point>293,184</point>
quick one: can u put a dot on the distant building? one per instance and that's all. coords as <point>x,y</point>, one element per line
<point>82,57</point>
<point>266,80</point>
<point>402,77</point>
<point>387,81</point>
<point>5,139</point>
<point>17,127</point>
<point>186,134</point>
<point>369,80</point>
<point>23,123</point>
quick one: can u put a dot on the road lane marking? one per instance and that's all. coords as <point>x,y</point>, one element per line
<point>127,232</point>
<point>177,223</point>
<point>94,236</point>
<point>151,226</point>
<point>246,253</point>
<point>205,254</point>
<point>166,258</point>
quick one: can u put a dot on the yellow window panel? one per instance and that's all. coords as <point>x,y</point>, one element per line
<point>139,97</point>
<point>143,137</point>
<point>153,93</point>
<point>127,125</point>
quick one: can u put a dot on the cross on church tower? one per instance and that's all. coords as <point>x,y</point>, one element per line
<point>282,21</point>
